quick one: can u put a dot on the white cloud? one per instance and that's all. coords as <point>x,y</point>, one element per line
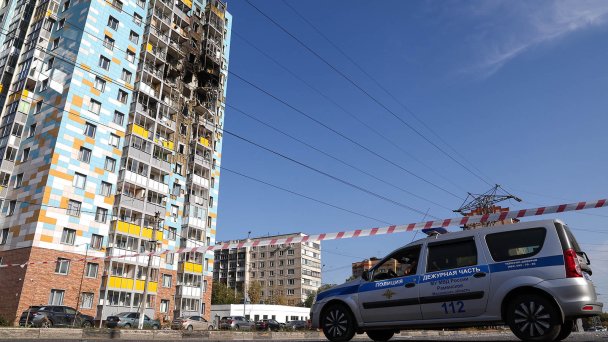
<point>509,28</point>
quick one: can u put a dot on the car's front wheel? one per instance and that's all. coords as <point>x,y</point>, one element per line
<point>533,318</point>
<point>338,323</point>
<point>155,327</point>
<point>210,327</point>
<point>127,326</point>
<point>47,324</point>
<point>380,335</point>
<point>87,324</point>
<point>190,328</point>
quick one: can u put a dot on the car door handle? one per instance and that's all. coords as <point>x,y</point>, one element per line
<point>479,274</point>
<point>410,285</point>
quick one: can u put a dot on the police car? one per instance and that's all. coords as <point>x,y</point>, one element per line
<point>532,276</point>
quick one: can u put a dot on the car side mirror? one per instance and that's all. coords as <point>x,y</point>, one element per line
<point>365,275</point>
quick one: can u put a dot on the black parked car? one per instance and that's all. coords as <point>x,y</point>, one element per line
<point>31,311</point>
<point>296,325</point>
<point>267,324</point>
<point>60,316</point>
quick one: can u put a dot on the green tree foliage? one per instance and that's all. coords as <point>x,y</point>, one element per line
<point>309,299</point>
<point>255,292</point>
<point>222,294</point>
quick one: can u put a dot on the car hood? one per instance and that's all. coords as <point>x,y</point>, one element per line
<point>342,289</point>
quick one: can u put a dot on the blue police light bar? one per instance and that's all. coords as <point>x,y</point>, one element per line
<point>434,231</point>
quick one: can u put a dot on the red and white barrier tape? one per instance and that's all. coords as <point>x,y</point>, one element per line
<point>458,221</point>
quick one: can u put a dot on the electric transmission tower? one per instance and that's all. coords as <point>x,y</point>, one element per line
<point>482,204</point>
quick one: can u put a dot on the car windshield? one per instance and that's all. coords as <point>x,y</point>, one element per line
<point>123,314</point>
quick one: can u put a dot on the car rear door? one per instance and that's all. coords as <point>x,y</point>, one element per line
<point>389,294</point>
<point>58,315</point>
<point>456,279</point>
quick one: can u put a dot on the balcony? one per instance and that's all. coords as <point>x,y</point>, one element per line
<point>190,267</point>
<point>140,260</point>
<point>147,233</point>
<point>205,142</point>
<point>196,179</point>
<point>127,284</point>
<point>198,159</point>
<point>125,227</point>
<point>188,291</point>
<point>139,131</point>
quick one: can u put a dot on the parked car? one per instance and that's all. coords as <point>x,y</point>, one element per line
<point>267,324</point>
<point>597,328</point>
<point>24,316</point>
<point>60,316</point>
<point>191,323</point>
<point>533,276</point>
<point>236,323</point>
<point>131,320</point>
<point>296,325</point>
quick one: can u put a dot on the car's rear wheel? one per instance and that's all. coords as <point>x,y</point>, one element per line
<point>338,323</point>
<point>127,325</point>
<point>380,335</point>
<point>190,328</point>
<point>210,327</point>
<point>47,324</point>
<point>565,331</point>
<point>533,318</point>
<point>236,327</point>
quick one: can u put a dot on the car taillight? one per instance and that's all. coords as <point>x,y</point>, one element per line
<point>573,267</point>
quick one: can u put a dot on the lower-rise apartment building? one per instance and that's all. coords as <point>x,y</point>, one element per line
<point>110,145</point>
<point>287,273</point>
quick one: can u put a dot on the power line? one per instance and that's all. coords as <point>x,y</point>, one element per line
<point>342,135</point>
<point>332,156</point>
<point>374,99</point>
<point>356,118</point>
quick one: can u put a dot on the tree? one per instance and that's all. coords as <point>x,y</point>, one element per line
<point>222,294</point>
<point>309,299</point>
<point>255,292</point>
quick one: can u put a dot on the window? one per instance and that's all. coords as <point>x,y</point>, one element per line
<point>50,63</point>
<point>130,56</point>
<point>62,266</point>
<point>86,300</point>
<point>110,164</point>
<point>108,43</point>
<point>56,297</point>
<point>74,208</point>
<point>100,84</point>
<point>170,260</point>
<point>113,23</point>
<point>32,130</point>
<point>106,189</point>
<point>291,271</point>
<point>172,233</point>
<point>164,305</point>
<point>55,43</point>
<point>174,212</point>
<point>95,106</point>
<point>134,37</point>
<point>19,180</point>
<point>178,169</point>
<point>114,140</point>
<point>89,130</point>
<point>141,3</point>
<point>137,19</point>
<point>3,236</point>
<point>44,85</point>
<point>290,292</point>
<point>449,255</point>
<point>119,118</point>
<point>117,4</point>
<point>123,96</point>
<point>84,155</point>
<point>91,270</point>
<point>79,181</point>
<point>101,215</point>
<point>10,209</point>
<point>68,236</point>
<point>60,24</point>
<point>291,262</point>
<point>66,5</point>
<point>26,154</point>
<point>38,107</point>
<point>96,241</point>
<point>104,63</point>
<point>126,76</point>
<point>516,244</point>
<point>290,252</point>
<point>291,282</point>
<point>166,280</point>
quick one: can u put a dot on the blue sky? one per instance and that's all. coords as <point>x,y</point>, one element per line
<point>518,89</point>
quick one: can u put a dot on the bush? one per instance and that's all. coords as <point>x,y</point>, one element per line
<point>4,322</point>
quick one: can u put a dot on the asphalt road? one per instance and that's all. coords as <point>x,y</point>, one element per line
<point>580,337</point>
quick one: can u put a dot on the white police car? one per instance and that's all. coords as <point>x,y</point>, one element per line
<point>532,276</point>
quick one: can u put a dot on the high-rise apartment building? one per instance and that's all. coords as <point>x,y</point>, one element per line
<point>288,271</point>
<point>110,129</point>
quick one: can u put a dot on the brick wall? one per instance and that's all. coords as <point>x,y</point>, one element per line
<point>207,298</point>
<point>32,285</point>
<point>165,293</point>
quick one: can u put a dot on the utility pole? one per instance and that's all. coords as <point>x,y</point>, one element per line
<point>84,268</point>
<point>142,302</point>
<point>245,280</point>
<point>485,204</point>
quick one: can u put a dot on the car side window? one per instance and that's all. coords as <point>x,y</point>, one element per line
<point>133,315</point>
<point>195,318</point>
<point>58,309</point>
<point>70,311</point>
<point>146,318</point>
<point>449,255</point>
<point>516,244</point>
<point>401,263</point>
